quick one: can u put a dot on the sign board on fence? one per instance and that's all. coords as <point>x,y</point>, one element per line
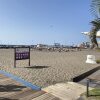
<point>22,55</point>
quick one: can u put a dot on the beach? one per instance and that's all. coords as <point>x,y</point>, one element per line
<point>48,68</point>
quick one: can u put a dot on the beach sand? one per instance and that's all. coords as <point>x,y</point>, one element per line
<point>48,68</point>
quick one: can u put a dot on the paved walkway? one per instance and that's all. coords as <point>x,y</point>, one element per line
<point>95,76</point>
<point>66,91</point>
<point>12,90</point>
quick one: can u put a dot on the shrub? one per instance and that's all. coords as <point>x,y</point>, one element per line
<point>98,61</point>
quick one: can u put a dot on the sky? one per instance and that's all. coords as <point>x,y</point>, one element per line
<point>44,21</point>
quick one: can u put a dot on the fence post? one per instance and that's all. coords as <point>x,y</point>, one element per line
<point>29,56</point>
<point>87,87</point>
<point>14,57</point>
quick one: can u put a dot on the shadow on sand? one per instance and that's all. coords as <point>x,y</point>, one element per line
<point>97,95</point>
<point>2,98</point>
<point>11,88</point>
<point>37,67</point>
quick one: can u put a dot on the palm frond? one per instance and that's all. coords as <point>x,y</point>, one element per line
<point>96,23</point>
<point>95,8</point>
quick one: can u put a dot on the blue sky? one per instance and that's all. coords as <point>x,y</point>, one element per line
<point>44,21</point>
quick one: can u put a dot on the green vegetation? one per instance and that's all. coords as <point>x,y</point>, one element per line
<point>94,95</point>
<point>98,61</point>
<point>95,92</point>
<point>98,49</point>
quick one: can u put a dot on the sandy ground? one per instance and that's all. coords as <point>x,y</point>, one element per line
<point>48,68</point>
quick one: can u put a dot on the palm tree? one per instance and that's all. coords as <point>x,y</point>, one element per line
<point>94,30</point>
<point>95,10</point>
